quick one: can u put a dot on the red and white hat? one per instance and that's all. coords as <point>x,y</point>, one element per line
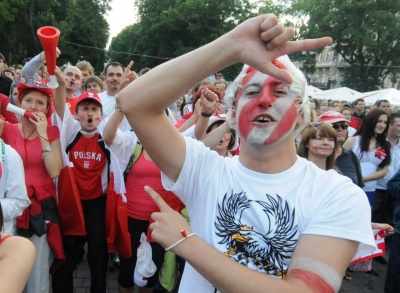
<point>49,92</point>
<point>332,117</point>
<point>89,96</point>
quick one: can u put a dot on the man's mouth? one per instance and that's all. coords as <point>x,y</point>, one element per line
<point>90,120</point>
<point>264,119</point>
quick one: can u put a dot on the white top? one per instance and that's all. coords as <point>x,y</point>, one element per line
<point>13,196</point>
<point>369,164</point>
<point>268,211</point>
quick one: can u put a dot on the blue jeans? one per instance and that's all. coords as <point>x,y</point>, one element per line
<point>392,283</point>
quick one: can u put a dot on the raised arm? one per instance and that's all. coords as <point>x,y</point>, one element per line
<point>111,128</point>
<point>256,42</point>
<point>60,96</point>
<point>212,139</point>
<point>208,101</point>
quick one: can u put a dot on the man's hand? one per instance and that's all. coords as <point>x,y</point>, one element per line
<point>129,76</point>
<point>209,100</point>
<point>262,39</point>
<point>168,223</point>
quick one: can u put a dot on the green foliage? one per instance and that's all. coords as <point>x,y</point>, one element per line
<point>364,32</point>
<point>169,28</point>
<point>81,22</point>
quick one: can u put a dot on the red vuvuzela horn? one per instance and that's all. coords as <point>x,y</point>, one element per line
<point>48,36</point>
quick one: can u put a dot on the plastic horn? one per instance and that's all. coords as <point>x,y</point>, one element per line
<point>19,111</point>
<point>48,36</point>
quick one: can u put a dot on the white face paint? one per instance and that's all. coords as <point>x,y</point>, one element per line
<point>266,111</point>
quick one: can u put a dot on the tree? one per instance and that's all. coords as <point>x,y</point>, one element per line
<point>364,32</point>
<point>169,28</point>
<point>81,23</point>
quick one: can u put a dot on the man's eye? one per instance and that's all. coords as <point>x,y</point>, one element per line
<point>280,92</point>
<point>252,92</point>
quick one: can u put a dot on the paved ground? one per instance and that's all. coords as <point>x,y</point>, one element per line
<point>361,283</point>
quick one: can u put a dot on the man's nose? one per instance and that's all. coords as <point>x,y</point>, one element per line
<point>266,99</point>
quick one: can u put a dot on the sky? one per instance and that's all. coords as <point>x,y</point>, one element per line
<point>120,16</point>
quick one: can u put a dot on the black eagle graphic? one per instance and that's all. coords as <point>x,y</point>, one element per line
<point>264,252</point>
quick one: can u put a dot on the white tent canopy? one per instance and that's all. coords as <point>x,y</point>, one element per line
<point>311,90</point>
<point>391,94</point>
<point>340,94</point>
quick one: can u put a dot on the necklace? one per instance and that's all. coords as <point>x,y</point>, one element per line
<point>23,131</point>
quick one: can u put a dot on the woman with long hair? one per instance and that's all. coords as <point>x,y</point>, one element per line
<point>318,142</point>
<point>180,104</point>
<point>373,150</point>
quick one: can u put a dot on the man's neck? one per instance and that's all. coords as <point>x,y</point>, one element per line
<point>112,92</point>
<point>338,151</point>
<point>359,113</point>
<point>270,159</point>
<point>393,140</point>
<point>70,94</point>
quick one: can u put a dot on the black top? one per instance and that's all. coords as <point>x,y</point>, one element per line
<point>349,165</point>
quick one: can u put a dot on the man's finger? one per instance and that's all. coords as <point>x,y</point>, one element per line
<point>307,45</point>
<point>164,207</point>
<point>128,68</point>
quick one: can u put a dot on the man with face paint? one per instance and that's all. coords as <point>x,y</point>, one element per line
<point>265,211</point>
<point>92,162</point>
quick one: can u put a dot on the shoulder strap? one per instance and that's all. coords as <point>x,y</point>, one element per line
<point>106,151</point>
<point>134,157</point>
<point>71,145</point>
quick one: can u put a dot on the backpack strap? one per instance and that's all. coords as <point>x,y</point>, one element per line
<point>134,157</point>
<point>71,145</point>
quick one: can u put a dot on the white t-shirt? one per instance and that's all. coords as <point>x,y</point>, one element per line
<point>257,218</point>
<point>108,103</point>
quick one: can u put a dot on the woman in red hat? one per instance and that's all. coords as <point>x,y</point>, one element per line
<point>38,144</point>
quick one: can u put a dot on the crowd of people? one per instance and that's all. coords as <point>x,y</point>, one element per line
<point>218,183</point>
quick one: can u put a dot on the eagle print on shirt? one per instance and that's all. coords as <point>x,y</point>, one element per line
<point>267,252</point>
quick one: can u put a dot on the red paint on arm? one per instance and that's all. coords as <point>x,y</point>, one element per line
<point>315,282</point>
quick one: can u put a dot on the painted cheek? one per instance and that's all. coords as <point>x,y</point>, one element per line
<point>285,124</point>
<point>81,117</point>
<point>97,119</point>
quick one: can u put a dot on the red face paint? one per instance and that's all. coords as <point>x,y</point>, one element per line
<point>97,118</point>
<point>316,283</point>
<point>282,113</point>
<point>285,124</point>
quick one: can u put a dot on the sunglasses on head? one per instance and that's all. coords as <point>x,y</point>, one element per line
<point>342,126</point>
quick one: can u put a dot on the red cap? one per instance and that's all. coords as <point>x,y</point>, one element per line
<point>89,96</point>
<point>332,117</point>
<point>36,86</point>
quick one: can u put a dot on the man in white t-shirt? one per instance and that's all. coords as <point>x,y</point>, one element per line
<point>113,76</point>
<point>267,209</point>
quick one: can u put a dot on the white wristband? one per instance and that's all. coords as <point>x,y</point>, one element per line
<point>179,241</point>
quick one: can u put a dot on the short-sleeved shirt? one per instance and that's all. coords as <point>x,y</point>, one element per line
<point>256,219</point>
